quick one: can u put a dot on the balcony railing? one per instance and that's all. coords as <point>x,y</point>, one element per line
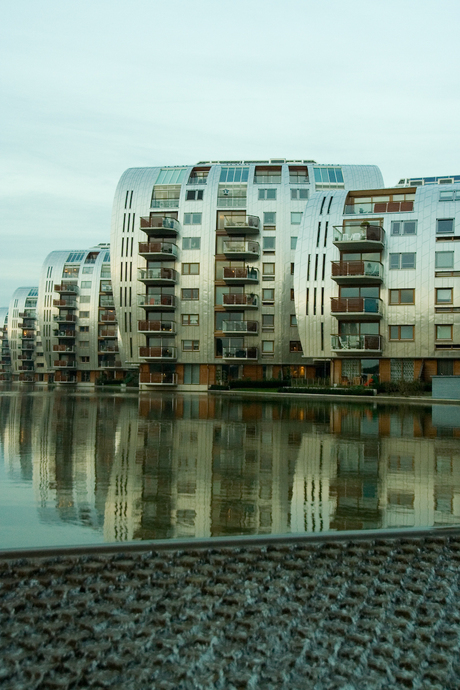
<point>157,327</point>
<point>357,269</point>
<point>231,202</point>
<point>27,325</point>
<point>65,317</point>
<point>107,317</point>
<point>26,378</point>
<point>26,346</point>
<point>66,287</point>
<point>27,315</point>
<point>63,377</point>
<point>26,357</point>
<point>107,333</point>
<point>68,303</point>
<point>106,301</point>
<point>158,352</point>
<point>28,335</point>
<point>159,378</point>
<point>241,248</point>
<point>160,250</point>
<point>239,300</point>
<point>158,225</point>
<point>157,275</point>
<point>356,342</point>
<point>240,326</point>
<point>63,348</point>
<point>26,367</point>
<point>379,207</point>
<point>165,203</point>
<point>65,334</point>
<point>246,274</point>
<point>359,238</point>
<point>356,305</point>
<point>240,353</point>
<point>157,301</point>
<point>107,348</point>
<point>110,364</point>
<point>194,179</point>
<point>65,364</point>
<point>242,224</point>
<point>267,179</point>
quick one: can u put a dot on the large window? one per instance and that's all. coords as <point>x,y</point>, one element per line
<point>402,261</point>
<point>444,332</point>
<point>191,242</point>
<point>445,226</point>
<point>449,196</point>
<point>192,218</point>
<point>444,295</point>
<point>268,269</point>
<point>403,296</point>
<point>444,260</point>
<point>267,175</point>
<point>267,193</point>
<point>401,332</point>
<point>404,227</point>
<point>192,374</point>
<point>190,294</point>
<point>328,177</point>
<point>234,174</point>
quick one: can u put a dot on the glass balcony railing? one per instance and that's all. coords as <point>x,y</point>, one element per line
<point>163,274</point>
<point>68,303</point>
<point>231,202</point>
<point>359,233</point>
<point>240,326</point>
<point>267,179</point>
<point>378,207</point>
<point>240,353</point>
<point>356,342</point>
<point>158,352</point>
<point>156,326</point>
<point>165,203</point>
<point>243,274</point>
<point>241,223</point>
<point>194,179</point>
<point>65,317</point>
<point>63,348</point>
<point>159,378</point>
<point>66,287</point>
<point>167,249</point>
<point>157,301</point>
<point>239,300</point>
<point>160,225</point>
<point>241,247</point>
<point>357,269</point>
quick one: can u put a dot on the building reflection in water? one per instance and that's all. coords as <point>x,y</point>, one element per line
<point>183,465</point>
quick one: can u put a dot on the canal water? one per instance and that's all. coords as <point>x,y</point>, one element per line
<point>86,467</point>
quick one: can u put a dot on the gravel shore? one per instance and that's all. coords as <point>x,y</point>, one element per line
<point>356,614</point>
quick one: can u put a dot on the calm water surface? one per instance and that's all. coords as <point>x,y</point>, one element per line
<point>100,467</point>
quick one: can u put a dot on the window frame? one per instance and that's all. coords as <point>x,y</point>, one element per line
<point>399,302</point>
<point>293,320</point>
<point>400,267</point>
<point>186,321</point>
<point>270,351</point>
<point>268,240</point>
<point>402,223</point>
<point>191,298</point>
<point>296,213</point>
<point>399,338</point>
<point>445,232</point>
<point>444,268</point>
<point>194,195</point>
<point>190,241</point>
<point>194,347</point>
<point>266,219</point>
<point>441,302</point>
<point>295,346</point>
<point>268,300</point>
<point>186,266</point>
<point>263,194</point>
<point>189,218</point>
<point>444,325</point>
<point>265,268</point>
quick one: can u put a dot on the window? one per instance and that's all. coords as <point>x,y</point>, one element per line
<point>402,261</point>
<point>171,176</point>
<point>293,242</point>
<point>295,346</point>
<point>84,329</point>
<point>84,359</point>
<point>298,174</point>
<point>268,347</point>
<point>87,269</point>
<point>190,345</point>
<point>190,319</point>
<point>234,174</point>
<point>85,298</point>
<point>192,218</point>
<point>268,269</point>
<point>267,193</point>
<point>292,269</point>
<point>191,242</point>
<point>268,295</point>
<point>293,319</point>
<point>192,373</point>
<point>445,226</point>
<point>84,344</point>
<point>190,269</point>
<point>328,177</point>
<point>292,294</point>
<point>401,332</point>
<point>190,294</point>
<point>269,244</point>
<point>269,218</point>
<point>85,283</point>
<point>84,314</point>
<point>444,295</point>
<point>445,367</point>
<point>449,196</point>
<point>404,227</point>
<point>299,193</point>
<point>194,195</point>
<point>296,218</point>
<point>267,175</point>
<point>443,332</point>
<point>268,322</point>
<point>444,260</point>
<point>405,296</point>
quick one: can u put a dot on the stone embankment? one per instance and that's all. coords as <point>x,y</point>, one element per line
<point>356,614</point>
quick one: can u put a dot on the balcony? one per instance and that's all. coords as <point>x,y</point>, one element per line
<point>164,302</point>
<point>107,317</point>
<point>68,303</point>
<point>63,377</point>
<point>157,327</point>
<point>349,309</point>
<point>26,367</point>
<point>107,333</point>
<point>250,327</point>
<point>26,378</point>
<point>165,352</point>
<point>106,347</point>
<point>106,301</point>
<point>28,335</point>
<point>27,315</point>
<point>65,334</point>
<point>27,325</point>
<point>63,348</point>
<point>240,276</point>
<point>352,344</point>
<point>158,378</point>
<point>110,364</point>
<point>378,207</point>
<point>157,276</point>
<point>26,357</point>
<point>240,353</point>
<point>26,346</point>
<point>159,226</point>
<point>161,251</point>
<point>363,238</point>
<point>237,301</point>
<point>247,225</point>
<point>65,364</point>
<point>195,179</point>
<point>165,203</point>
<point>68,288</point>
<point>241,249</point>
<point>231,202</point>
<point>65,317</point>
<point>357,272</point>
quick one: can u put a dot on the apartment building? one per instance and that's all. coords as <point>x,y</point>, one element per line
<point>5,356</point>
<point>203,262</point>
<point>77,317</point>
<point>376,286</point>
<point>22,334</point>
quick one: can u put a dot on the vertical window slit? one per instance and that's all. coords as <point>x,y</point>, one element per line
<point>323,272</point>
<point>325,232</point>
<point>316,267</point>
<point>319,234</point>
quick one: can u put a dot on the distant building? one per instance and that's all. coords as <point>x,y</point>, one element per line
<point>5,356</point>
<point>22,333</point>
<point>202,266</point>
<point>376,283</point>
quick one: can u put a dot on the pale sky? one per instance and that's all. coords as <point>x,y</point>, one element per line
<point>93,87</point>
